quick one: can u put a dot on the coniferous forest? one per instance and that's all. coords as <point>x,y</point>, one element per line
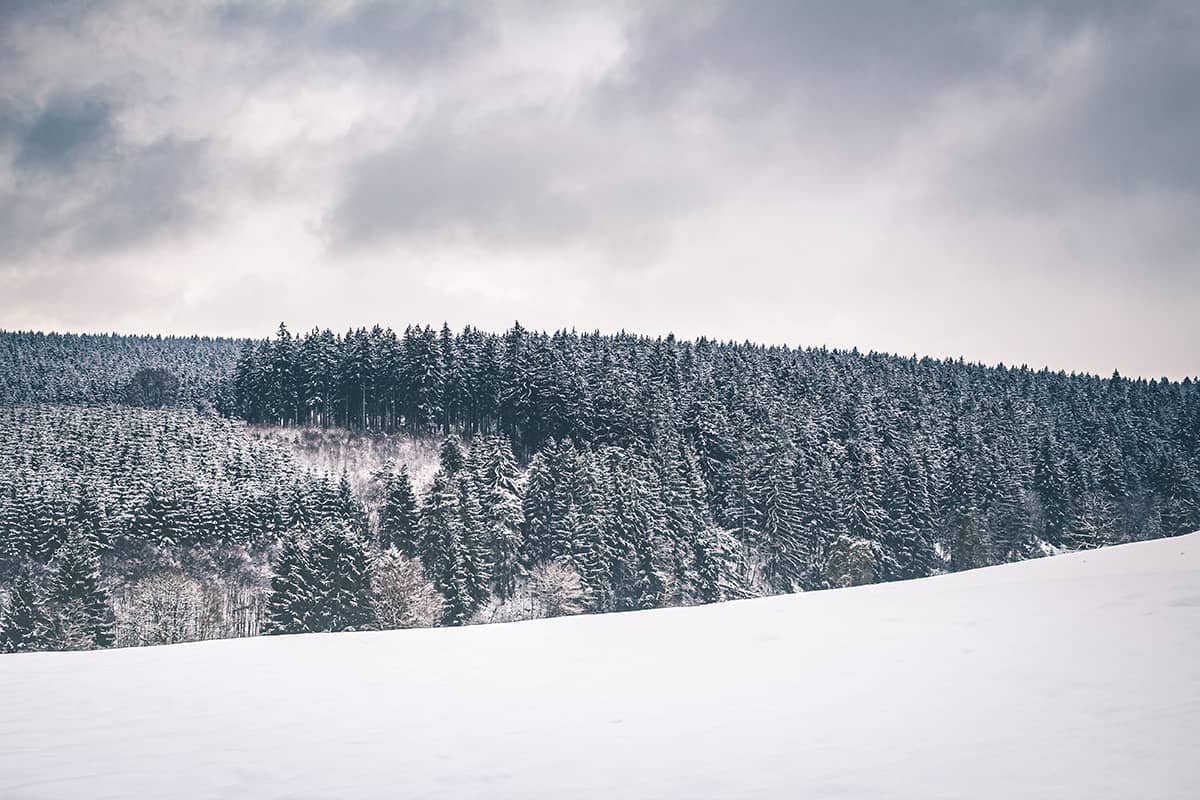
<point>158,489</point>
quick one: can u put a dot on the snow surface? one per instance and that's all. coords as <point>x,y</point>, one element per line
<point>1069,677</point>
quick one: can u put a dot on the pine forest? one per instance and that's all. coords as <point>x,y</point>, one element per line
<point>160,489</point>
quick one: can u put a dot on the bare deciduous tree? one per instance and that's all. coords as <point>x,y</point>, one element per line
<point>167,608</point>
<point>403,597</point>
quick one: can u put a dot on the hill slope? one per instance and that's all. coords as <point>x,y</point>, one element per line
<point>1066,677</point>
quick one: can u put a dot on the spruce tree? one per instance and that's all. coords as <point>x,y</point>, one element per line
<point>398,515</point>
<point>321,583</point>
<point>451,456</point>
<point>77,601</point>
<point>291,601</point>
<point>496,478</point>
<point>340,574</point>
<point>23,626</point>
<point>477,551</point>
<point>778,517</point>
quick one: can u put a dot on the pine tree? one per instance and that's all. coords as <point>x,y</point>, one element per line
<point>340,573</point>
<point>454,580</point>
<point>907,541</point>
<point>823,513</point>
<point>477,551</point>
<point>714,565</point>
<point>77,601</point>
<point>347,509</point>
<point>398,515</point>
<point>1050,481</point>
<point>538,509</point>
<point>592,551</point>
<point>321,583</point>
<point>778,518</point>
<point>290,604</point>
<point>439,513</point>
<point>23,626</point>
<point>447,549</point>
<point>861,490</point>
<point>451,456</point>
<point>496,479</point>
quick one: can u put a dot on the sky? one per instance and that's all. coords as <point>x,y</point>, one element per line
<point>1006,182</point>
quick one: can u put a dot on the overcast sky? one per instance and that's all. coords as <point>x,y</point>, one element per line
<point>1001,181</point>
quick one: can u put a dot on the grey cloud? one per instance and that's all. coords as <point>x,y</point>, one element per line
<point>151,193</point>
<point>538,184</point>
<point>850,72</point>
<point>67,12</point>
<point>731,126</point>
<point>68,129</point>
<point>857,75</point>
<point>402,35</point>
<point>1132,128</point>
<point>844,83</point>
<point>80,188</point>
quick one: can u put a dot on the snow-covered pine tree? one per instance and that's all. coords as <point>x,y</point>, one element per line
<point>1050,482</point>
<point>445,553</point>
<point>340,570</point>
<point>497,482</point>
<point>592,551</point>
<point>23,625</point>
<point>907,540</point>
<point>398,514</point>
<point>290,603</point>
<point>477,549</point>
<point>454,579</point>
<point>76,601</point>
<point>450,457</point>
<point>777,516</point>
<point>348,510</point>
<point>539,505</point>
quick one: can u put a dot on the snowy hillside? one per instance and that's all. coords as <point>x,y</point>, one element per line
<point>1069,677</point>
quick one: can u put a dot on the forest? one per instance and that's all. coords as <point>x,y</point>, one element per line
<point>160,489</point>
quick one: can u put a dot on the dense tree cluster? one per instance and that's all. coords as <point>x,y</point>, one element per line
<point>102,500</point>
<point>576,472</point>
<point>322,583</point>
<point>826,467</point>
<point>64,608</point>
<point>152,387</point>
<point>88,369</point>
<point>164,477</point>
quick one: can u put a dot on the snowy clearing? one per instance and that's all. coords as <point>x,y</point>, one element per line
<point>1069,677</point>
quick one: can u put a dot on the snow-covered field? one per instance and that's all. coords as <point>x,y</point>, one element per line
<point>1070,677</point>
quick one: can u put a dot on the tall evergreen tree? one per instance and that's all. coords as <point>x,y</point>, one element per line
<point>497,483</point>
<point>290,603</point>
<point>23,626</point>
<point>398,514</point>
<point>77,601</point>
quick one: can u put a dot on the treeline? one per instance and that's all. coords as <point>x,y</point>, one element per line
<point>98,368</point>
<point>790,444</point>
<point>577,472</point>
<point>129,526</point>
<point>131,476</point>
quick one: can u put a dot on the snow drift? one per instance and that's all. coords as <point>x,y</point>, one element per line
<point>1068,677</point>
